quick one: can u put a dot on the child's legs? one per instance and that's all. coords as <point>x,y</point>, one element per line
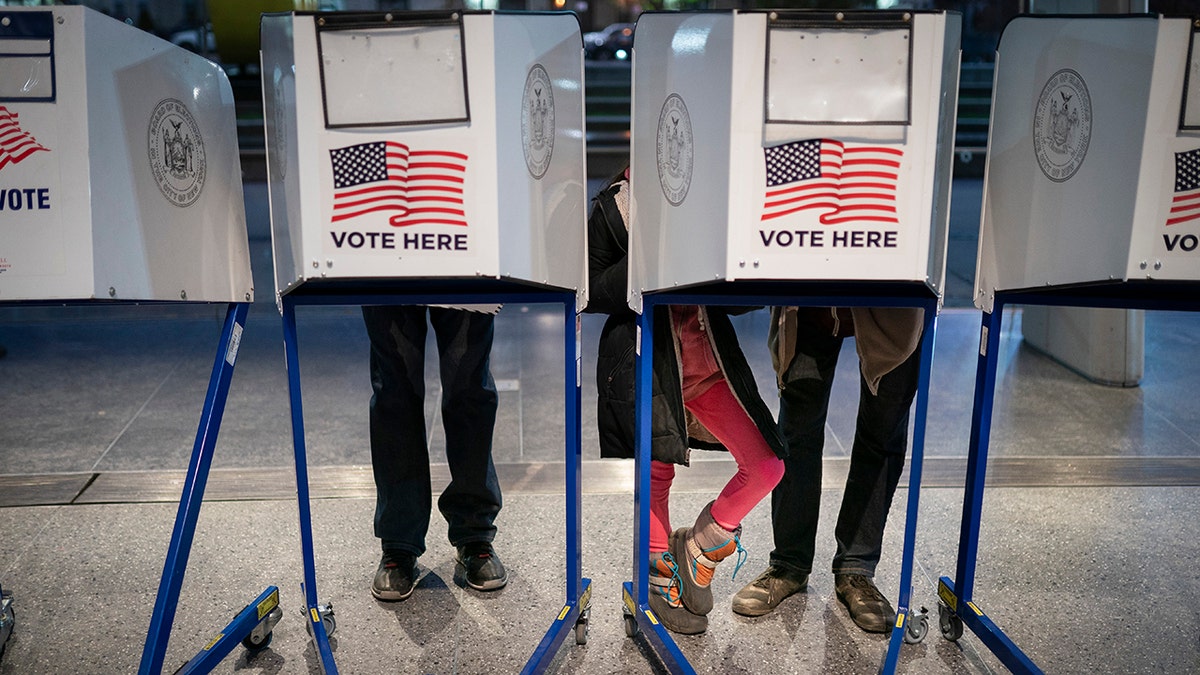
<point>759,469</point>
<point>661,476</point>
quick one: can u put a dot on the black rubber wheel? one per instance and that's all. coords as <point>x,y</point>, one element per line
<point>327,622</point>
<point>949,623</point>
<point>918,627</point>
<point>631,626</point>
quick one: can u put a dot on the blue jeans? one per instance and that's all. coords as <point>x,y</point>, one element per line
<point>399,449</point>
<point>876,458</point>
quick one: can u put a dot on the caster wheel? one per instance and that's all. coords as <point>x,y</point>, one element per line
<point>949,623</point>
<point>918,627</point>
<point>327,622</point>
<point>631,625</point>
<point>253,645</point>
<point>581,632</point>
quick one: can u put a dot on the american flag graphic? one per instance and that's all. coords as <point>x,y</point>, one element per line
<point>422,187</point>
<point>840,182</point>
<point>1185,205</point>
<point>15,143</point>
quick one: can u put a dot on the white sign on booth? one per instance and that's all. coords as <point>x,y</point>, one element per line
<point>1093,169</point>
<point>419,145</point>
<point>119,168</point>
<point>792,145</point>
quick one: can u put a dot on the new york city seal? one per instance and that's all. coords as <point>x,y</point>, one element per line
<point>176,152</point>
<point>537,121</point>
<point>675,150</point>
<point>1062,125</point>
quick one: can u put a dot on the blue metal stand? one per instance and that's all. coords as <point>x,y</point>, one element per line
<point>241,628</point>
<point>575,613</point>
<point>252,627</point>
<point>639,618</point>
<point>956,606</point>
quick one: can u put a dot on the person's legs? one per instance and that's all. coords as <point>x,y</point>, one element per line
<point>399,455</point>
<point>876,462</point>
<point>803,409</point>
<point>758,468</point>
<point>472,500</point>
<point>662,474</point>
<point>796,500</point>
<point>714,536</point>
<point>665,584</point>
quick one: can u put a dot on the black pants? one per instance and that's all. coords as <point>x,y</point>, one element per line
<point>399,449</point>
<point>876,458</point>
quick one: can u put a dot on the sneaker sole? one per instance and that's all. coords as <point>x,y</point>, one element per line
<point>873,628</point>
<point>666,616</point>
<point>760,610</point>
<point>393,596</point>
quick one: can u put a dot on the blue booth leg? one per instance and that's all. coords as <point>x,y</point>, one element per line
<point>184,531</point>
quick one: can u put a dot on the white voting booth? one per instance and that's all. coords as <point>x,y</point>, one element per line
<point>1091,199</point>
<point>417,145</point>
<point>789,158</point>
<point>119,169</point>
<point>792,145</point>
<point>1094,155</point>
<point>120,182</point>
<point>429,158</point>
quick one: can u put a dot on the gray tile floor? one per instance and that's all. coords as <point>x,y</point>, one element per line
<point>1087,555</point>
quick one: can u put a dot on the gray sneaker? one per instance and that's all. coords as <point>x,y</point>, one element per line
<point>764,594</point>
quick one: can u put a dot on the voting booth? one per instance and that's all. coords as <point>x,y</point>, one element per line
<point>1091,199</point>
<point>1093,160</point>
<point>429,158</point>
<point>792,145</point>
<point>118,154</point>
<point>789,158</point>
<point>1093,170</point>
<point>120,182</point>
<point>425,145</point>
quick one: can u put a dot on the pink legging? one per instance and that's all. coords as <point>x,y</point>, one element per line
<point>758,468</point>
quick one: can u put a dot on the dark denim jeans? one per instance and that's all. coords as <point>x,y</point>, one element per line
<point>876,458</point>
<point>399,449</point>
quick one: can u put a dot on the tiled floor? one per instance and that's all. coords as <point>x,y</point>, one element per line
<point>1087,554</point>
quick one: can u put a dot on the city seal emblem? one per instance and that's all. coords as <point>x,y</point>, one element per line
<point>537,121</point>
<point>1062,125</point>
<point>675,150</point>
<point>176,152</point>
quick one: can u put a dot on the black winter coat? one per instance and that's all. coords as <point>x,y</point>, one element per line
<point>608,241</point>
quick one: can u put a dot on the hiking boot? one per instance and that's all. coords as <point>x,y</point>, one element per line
<point>481,567</point>
<point>664,597</point>
<point>869,609</point>
<point>764,594</point>
<point>396,577</point>
<point>697,550</point>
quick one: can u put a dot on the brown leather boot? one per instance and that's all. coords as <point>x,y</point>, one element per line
<point>868,608</point>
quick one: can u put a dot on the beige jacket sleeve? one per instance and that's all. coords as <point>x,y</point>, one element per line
<point>884,337</point>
